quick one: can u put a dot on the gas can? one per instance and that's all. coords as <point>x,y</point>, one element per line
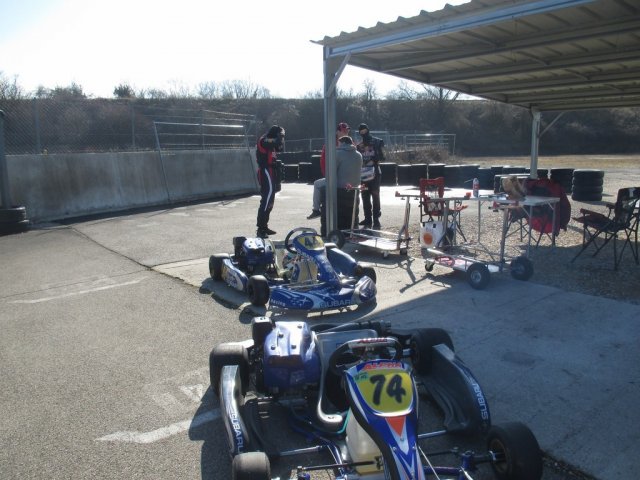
<point>476,187</point>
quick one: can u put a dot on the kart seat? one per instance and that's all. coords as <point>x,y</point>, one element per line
<point>327,343</point>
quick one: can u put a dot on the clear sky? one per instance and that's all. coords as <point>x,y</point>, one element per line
<point>100,44</point>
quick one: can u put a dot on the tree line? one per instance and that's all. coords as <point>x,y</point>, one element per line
<point>482,128</point>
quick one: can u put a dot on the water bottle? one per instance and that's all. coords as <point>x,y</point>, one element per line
<point>476,187</point>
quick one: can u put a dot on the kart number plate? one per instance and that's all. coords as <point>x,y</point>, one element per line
<point>385,390</point>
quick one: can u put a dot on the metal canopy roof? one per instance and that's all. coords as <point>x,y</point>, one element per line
<point>545,55</point>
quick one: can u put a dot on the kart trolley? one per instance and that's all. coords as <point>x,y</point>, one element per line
<point>478,271</point>
<point>380,240</point>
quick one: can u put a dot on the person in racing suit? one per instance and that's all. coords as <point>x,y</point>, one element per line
<point>372,154</point>
<point>266,152</point>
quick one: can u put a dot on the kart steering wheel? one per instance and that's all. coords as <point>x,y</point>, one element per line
<point>355,351</point>
<point>288,245</point>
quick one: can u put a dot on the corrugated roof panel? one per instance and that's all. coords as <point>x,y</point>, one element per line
<point>528,52</point>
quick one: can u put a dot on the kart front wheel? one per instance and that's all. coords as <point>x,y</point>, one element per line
<point>258,290</point>
<point>251,466</point>
<point>215,265</point>
<point>422,342</point>
<point>337,237</point>
<point>516,450</point>
<point>228,354</point>
<point>366,271</point>
<point>521,268</point>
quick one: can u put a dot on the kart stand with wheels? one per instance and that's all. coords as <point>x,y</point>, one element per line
<point>380,240</point>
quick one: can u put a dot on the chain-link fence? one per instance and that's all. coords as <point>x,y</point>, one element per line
<point>62,126</point>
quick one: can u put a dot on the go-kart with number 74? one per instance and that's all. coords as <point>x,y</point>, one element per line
<point>354,391</point>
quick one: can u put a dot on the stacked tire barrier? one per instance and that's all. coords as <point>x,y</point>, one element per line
<point>485,177</point>
<point>404,175</point>
<point>467,174</point>
<point>563,176</point>
<point>435,170</point>
<point>451,175</point>
<point>13,220</point>
<point>389,173</point>
<point>587,184</point>
<point>304,172</point>
<point>418,171</point>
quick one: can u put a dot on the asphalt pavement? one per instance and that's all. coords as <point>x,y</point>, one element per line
<point>107,323</point>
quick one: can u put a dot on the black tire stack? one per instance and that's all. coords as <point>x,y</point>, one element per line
<point>467,174</point>
<point>388,170</point>
<point>435,170</point>
<point>563,176</point>
<point>404,175</point>
<point>304,172</point>
<point>451,175</point>
<point>13,220</point>
<point>418,171</point>
<point>291,173</point>
<point>485,177</point>
<point>587,185</point>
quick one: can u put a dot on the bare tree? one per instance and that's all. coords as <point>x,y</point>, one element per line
<point>124,90</point>
<point>242,90</point>
<point>9,88</point>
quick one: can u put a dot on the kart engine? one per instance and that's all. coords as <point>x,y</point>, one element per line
<point>290,360</point>
<point>253,252</point>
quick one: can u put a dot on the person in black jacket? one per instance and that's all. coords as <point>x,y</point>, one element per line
<point>372,154</point>
<point>266,151</point>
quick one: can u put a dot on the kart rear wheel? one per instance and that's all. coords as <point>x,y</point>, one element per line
<point>215,265</point>
<point>517,452</point>
<point>337,237</point>
<point>258,290</point>
<point>251,466</point>
<point>521,268</point>
<point>421,344</point>
<point>228,354</point>
<point>478,275</point>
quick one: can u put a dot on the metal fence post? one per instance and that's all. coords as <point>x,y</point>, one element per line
<point>36,125</point>
<point>4,175</point>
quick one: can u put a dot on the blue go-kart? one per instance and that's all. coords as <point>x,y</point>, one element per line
<point>352,391</point>
<point>311,275</point>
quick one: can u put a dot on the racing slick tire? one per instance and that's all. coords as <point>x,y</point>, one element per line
<point>366,271</point>
<point>422,340</point>
<point>478,275</point>
<point>258,290</point>
<point>215,265</point>
<point>517,452</point>
<point>228,354</point>
<point>251,466</point>
<point>337,237</point>
<point>521,268</point>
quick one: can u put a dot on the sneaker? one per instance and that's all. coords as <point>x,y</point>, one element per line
<point>261,233</point>
<point>366,222</point>
<point>314,214</point>
<point>376,225</point>
<point>268,231</point>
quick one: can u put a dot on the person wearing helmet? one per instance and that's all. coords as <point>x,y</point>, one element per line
<point>372,154</point>
<point>267,148</point>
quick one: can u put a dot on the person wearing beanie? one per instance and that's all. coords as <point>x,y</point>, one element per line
<point>372,152</point>
<point>320,185</point>
<point>267,148</point>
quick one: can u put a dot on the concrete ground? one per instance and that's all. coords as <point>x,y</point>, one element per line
<point>103,292</point>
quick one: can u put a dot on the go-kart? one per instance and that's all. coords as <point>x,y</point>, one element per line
<point>311,275</point>
<point>353,389</point>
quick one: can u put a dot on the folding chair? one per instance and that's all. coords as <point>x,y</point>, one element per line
<point>622,220</point>
<point>431,210</point>
<point>540,219</point>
